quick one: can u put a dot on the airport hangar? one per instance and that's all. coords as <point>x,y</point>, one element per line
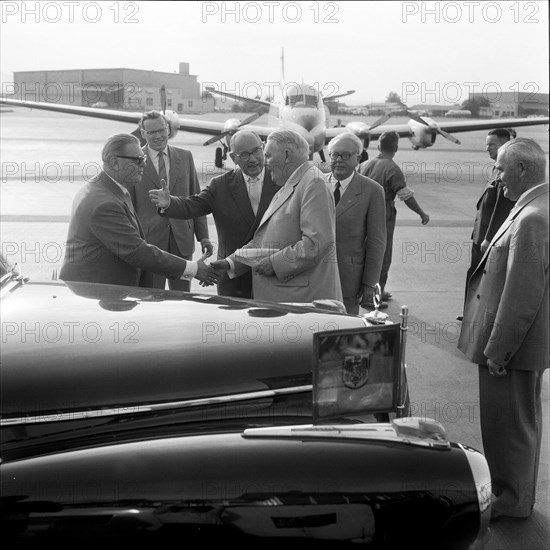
<point>122,88</point>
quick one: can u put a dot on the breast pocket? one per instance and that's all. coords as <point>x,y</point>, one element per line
<point>497,259</point>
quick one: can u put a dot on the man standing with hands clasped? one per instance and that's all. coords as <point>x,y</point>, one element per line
<point>360,223</point>
<point>505,330</point>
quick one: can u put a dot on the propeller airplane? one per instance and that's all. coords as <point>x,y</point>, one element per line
<point>300,107</point>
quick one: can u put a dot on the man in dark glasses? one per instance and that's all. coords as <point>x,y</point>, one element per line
<point>105,241</point>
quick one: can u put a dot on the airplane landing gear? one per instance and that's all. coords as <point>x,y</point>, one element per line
<point>221,156</point>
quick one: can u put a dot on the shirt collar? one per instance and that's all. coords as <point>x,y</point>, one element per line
<point>343,183</point>
<point>260,176</point>
<point>154,154</point>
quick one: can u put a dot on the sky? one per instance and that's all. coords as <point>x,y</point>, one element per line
<point>427,52</point>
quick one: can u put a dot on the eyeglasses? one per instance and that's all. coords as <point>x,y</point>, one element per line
<point>140,161</point>
<point>155,132</point>
<point>345,156</point>
<point>245,155</point>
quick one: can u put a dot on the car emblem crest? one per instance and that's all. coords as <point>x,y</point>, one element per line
<point>355,370</point>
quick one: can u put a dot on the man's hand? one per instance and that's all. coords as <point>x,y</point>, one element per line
<point>496,369</point>
<point>265,268</point>
<point>366,300</point>
<point>484,246</point>
<point>220,266</point>
<point>207,248</point>
<point>206,274</point>
<point>424,217</point>
<point>160,197</point>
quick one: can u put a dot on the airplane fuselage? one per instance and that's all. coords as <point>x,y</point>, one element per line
<point>302,110</point>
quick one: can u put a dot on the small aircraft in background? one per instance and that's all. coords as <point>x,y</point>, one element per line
<point>300,107</point>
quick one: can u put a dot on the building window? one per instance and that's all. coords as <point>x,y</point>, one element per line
<point>169,103</point>
<point>149,101</point>
<point>190,104</point>
<point>180,107</point>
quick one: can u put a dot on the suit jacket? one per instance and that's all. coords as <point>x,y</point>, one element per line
<point>506,310</point>
<point>226,198</point>
<point>300,223</point>
<point>492,209</point>
<point>105,241</point>
<point>182,181</point>
<point>360,233</point>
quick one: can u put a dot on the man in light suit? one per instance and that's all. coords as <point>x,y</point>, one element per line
<point>105,241</point>
<point>237,200</point>
<point>505,330</point>
<point>360,223</point>
<point>298,227</point>
<point>176,167</point>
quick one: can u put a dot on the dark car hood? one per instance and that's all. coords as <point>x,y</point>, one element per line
<point>75,346</point>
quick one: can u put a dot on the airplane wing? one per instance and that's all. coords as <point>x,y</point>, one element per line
<point>457,126</point>
<point>189,125</point>
<point>236,97</point>
<point>404,130</point>
<point>332,97</point>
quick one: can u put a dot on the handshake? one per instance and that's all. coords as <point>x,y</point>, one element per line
<point>210,274</point>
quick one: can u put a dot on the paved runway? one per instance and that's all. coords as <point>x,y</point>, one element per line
<point>44,157</point>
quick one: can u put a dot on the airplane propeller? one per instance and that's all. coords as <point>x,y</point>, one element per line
<point>432,126</point>
<point>379,121</point>
<point>244,122</point>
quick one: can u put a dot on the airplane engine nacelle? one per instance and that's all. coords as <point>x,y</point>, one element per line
<point>173,122</point>
<point>361,130</point>
<point>423,137</point>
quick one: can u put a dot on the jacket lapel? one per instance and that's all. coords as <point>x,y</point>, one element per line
<point>518,207</point>
<point>149,172</point>
<point>285,192</point>
<point>350,197</point>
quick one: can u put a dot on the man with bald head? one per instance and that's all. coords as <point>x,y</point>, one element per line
<point>237,200</point>
<point>505,330</point>
<point>360,222</point>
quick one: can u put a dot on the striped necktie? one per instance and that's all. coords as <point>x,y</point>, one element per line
<point>337,193</point>
<point>162,167</point>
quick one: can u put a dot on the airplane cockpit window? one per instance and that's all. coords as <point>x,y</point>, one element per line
<point>296,99</point>
<point>299,100</point>
<point>311,100</point>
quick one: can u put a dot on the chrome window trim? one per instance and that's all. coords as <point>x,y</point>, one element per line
<point>153,407</point>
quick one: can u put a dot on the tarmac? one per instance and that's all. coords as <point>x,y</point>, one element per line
<point>45,158</point>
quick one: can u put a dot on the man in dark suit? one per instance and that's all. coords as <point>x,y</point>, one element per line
<point>105,241</point>
<point>505,330</point>
<point>492,208</point>
<point>360,223</point>
<point>176,167</point>
<point>229,198</point>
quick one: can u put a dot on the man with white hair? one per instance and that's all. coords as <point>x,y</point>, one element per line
<point>505,330</point>
<point>360,222</point>
<point>293,251</point>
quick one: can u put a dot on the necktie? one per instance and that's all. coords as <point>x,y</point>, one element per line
<point>162,167</point>
<point>337,193</point>
<point>254,193</point>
